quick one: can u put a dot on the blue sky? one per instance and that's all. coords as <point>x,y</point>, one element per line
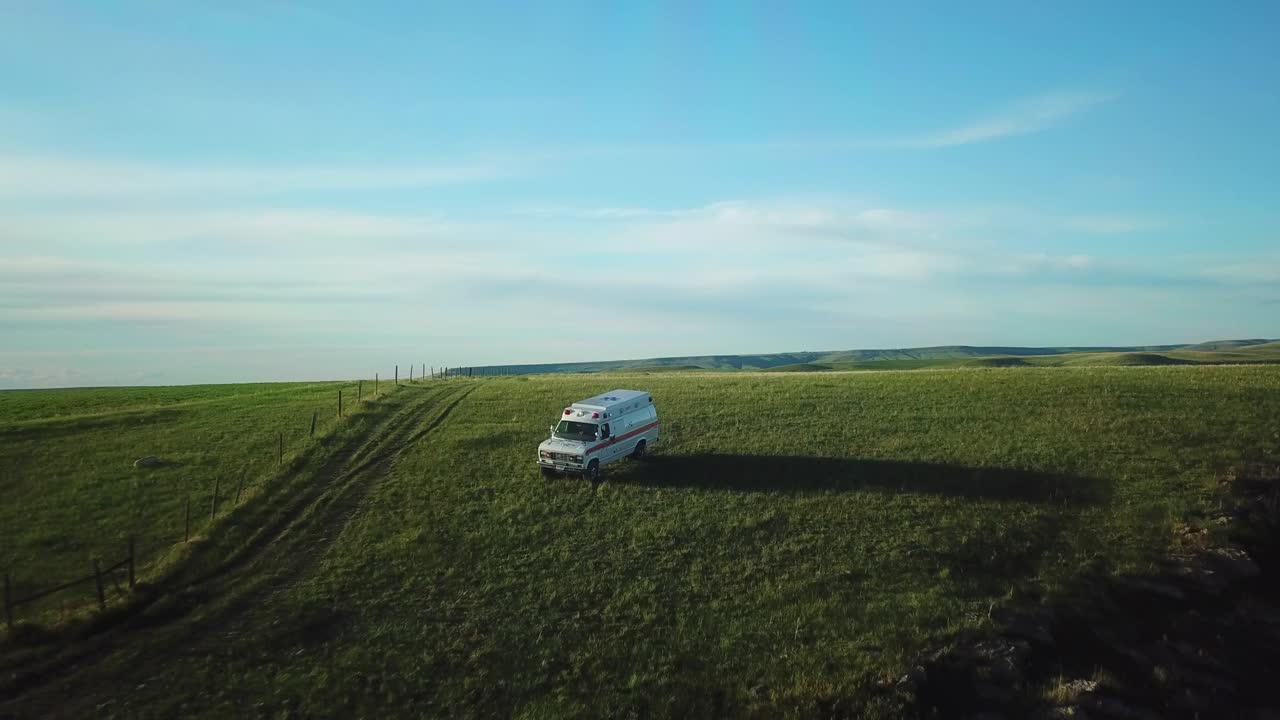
<point>269,191</point>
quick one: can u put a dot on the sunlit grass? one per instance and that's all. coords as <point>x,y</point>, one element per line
<point>72,492</point>
<point>795,538</point>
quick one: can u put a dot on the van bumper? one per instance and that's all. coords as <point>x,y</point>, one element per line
<point>563,467</point>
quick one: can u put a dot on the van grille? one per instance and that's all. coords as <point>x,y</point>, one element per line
<point>567,457</point>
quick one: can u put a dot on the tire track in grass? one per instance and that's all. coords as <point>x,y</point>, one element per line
<point>333,480</point>
<point>312,519</point>
<point>340,510</point>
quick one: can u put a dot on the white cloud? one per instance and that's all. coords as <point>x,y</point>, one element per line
<point>1264,271</point>
<point>690,278</point>
<point>1112,224</point>
<point>28,175</point>
<point>233,225</point>
<point>741,221</point>
<point>1025,117</point>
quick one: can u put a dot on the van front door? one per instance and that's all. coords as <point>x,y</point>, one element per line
<point>606,436</point>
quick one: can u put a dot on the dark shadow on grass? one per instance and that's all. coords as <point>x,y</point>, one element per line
<point>1195,634</point>
<point>804,474</point>
<point>113,422</point>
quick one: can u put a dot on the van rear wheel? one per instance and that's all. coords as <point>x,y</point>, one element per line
<point>638,453</point>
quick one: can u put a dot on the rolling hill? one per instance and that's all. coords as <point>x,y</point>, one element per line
<point>1213,352</point>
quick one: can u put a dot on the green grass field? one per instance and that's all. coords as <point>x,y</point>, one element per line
<point>72,492</point>
<point>795,538</point>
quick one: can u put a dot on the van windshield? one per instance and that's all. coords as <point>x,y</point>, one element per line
<point>570,430</point>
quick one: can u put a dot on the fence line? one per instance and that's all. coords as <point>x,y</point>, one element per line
<point>12,603</point>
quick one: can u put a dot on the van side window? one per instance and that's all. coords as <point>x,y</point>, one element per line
<point>604,431</point>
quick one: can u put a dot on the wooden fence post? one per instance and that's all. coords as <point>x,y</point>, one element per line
<point>411,372</point>
<point>8,603</point>
<point>359,392</point>
<point>186,534</point>
<point>339,403</point>
<point>313,424</point>
<point>397,374</point>
<point>213,507</point>
<point>375,384</point>
<point>132,545</point>
<point>240,486</point>
<point>97,579</point>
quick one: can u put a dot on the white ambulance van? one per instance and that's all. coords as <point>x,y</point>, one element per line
<point>598,431</point>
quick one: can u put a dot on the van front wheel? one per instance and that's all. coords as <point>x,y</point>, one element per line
<point>638,453</point>
<point>548,472</point>
<point>593,471</point>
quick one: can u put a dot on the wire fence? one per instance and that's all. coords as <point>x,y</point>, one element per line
<point>101,579</point>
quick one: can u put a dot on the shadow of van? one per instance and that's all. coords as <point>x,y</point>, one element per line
<point>809,474</point>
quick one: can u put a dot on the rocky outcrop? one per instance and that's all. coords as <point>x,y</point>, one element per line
<point>1199,638</point>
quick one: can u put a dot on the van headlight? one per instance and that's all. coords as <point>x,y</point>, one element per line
<point>544,454</point>
<point>577,458</point>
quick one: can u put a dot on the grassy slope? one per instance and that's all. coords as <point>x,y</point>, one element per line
<point>911,358</point>
<point>1231,354</point>
<point>796,538</point>
<point>645,369</point>
<point>72,493</point>
<point>1268,353</point>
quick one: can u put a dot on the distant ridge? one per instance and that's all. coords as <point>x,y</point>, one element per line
<point>1252,350</point>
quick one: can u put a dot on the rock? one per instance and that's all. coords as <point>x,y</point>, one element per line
<point>1201,657</point>
<point>1069,712</point>
<point>993,694</point>
<point>1116,708</point>
<point>1121,648</point>
<point>1034,628</point>
<point>1073,690</point>
<point>1198,578</point>
<point>1003,658</point>
<point>1232,563</point>
<point>1143,586</point>
<point>1191,703</point>
<point>1217,684</point>
<point>148,461</point>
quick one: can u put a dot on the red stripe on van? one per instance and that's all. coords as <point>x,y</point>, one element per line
<point>620,438</point>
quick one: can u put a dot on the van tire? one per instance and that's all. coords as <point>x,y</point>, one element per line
<point>593,471</point>
<point>548,473</point>
<point>638,453</point>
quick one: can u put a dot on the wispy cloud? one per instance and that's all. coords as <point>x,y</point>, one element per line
<point>1112,224</point>
<point>858,220</point>
<point>1024,117</point>
<point>26,175</point>
<point>1262,270</point>
<point>244,225</point>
